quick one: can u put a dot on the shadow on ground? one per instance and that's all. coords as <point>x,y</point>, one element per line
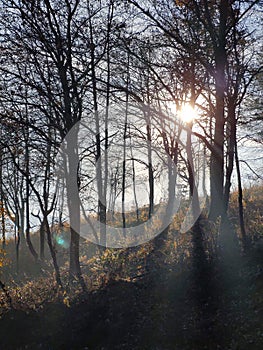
<point>213,305</point>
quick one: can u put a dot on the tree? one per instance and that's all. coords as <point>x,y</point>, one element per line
<point>46,40</point>
<point>204,31</point>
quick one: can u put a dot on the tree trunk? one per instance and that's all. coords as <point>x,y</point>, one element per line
<point>2,208</point>
<point>124,176</point>
<point>245,241</point>
<point>193,193</point>
<point>101,192</point>
<point>28,238</point>
<point>124,147</point>
<point>231,134</point>
<point>18,228</point>
<point>46,229</point>
<point>42,232</point>
<point>150,169</point>
<point>217,155</point>
<point>72,183</point>
<point>134,186</point>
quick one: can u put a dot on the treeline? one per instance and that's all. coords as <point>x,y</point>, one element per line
<point>92,96</point>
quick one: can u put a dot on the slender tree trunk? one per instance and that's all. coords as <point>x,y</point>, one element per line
<point>46,229</point>
<point>22,222</point>
<point>42,232</point>
<point>150,168</point>
<point>73,200</point>
<point>124,148</point>
<point>106,168</point>
<point>204,173</point>
<point>193,193</point>
<point>101,203</point>
<point>18,228</point>
<point>61,204</point>
<point>124,176</point>
<point>114,194</point>
<point>147,117</point>
<point>230,151</point>
<point>134,186</point>
<point>2,208</point>
<point>28,238</point>
<point>245,241</point>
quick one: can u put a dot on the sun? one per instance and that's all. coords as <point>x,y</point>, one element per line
<point>187,113</point>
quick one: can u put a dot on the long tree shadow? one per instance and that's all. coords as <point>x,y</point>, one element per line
<point>205,294</point>
<point>166,309</point>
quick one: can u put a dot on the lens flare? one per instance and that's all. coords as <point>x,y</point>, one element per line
<point>62,241</point>
<point>187,113</point>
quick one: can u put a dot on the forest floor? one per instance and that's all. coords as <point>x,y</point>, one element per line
<point>220,306</point>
